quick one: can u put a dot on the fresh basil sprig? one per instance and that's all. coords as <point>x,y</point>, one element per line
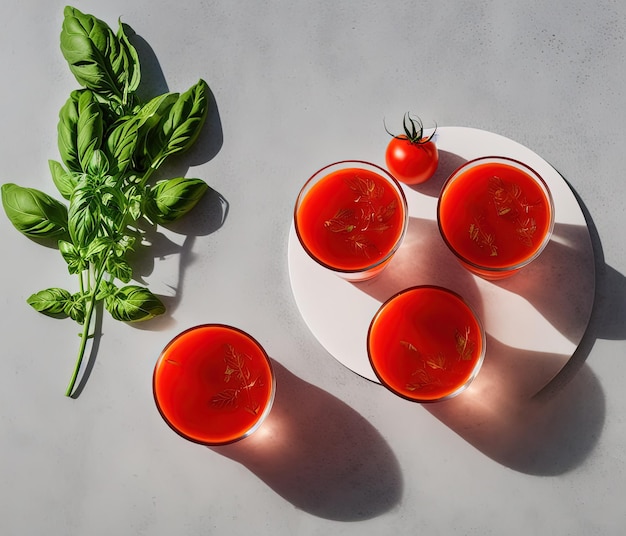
<point>110,143</point>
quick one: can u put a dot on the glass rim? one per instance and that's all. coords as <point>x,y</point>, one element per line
<point>405,221</point>
<point>524,168</point>
<point>475,369</point>
<point>257,423</point>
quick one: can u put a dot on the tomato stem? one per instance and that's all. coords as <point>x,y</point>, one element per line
<point>413,130</point>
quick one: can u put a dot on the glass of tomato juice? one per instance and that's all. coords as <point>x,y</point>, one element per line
<point>351,217</point>
<point>213,384</point>
<point>496,215</point>
<point>426,344</point>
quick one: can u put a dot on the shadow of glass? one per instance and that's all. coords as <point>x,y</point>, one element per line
<point>611,296</point>
<point>560,279</point>
<point>609,314</point>
<point>526,409</point>
<point>320,455</point>
<point>501,415</point>
<point>423,259</point>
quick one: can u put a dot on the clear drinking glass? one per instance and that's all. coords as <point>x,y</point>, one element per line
<point>213,384</point>
<point>351,217</point>
<point>496,215</point>
<point>426,344</point>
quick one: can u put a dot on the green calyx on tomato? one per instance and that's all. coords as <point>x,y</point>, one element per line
<point>413,130</point>
<point>412,158</point>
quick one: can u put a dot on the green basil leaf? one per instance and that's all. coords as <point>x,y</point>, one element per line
<point>133,303</point>
<point>97,208</point>
<point>88,128</point>
<point>150,119</point>
<point>97,247</point>
<point>85,213</point>
<point>184,121</point>
<point>67,130</point>
<point>134,207</point>
<point>124,245</point>
<point>63,180</point>
<point>51,302</point>
<point>106,290</point>
<point>169,200</point>
<point>115,205</point>
<point>98,164</point>
<point>80,129</point>
<point>156,109</point>
<point>34,213</point>
<point>119,268</point>
<point>75,262</point>
<point>94,54</point>
<point>75,308</point>
<point>118,247</point>
<point>122,142</point>
<point>132,68</point>
<point>134,194</point>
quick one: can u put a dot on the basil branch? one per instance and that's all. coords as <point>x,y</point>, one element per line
<point>110,144</point>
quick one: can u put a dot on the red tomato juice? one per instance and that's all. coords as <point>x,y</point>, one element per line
<point>495,215</point>
<point>213,383</point>
<point>426,344</point>
<point>350,219</point>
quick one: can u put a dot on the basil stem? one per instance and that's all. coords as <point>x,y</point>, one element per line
<point>93,293</point>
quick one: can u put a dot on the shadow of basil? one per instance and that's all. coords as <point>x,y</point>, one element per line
<point>535,412</point>
<point>206,217</point>
<point>320,455</point>
<point>153,83</point>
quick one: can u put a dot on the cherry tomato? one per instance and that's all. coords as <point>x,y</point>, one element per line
<point>412,158</point>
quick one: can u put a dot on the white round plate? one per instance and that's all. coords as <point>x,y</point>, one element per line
<point>544,308</point>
